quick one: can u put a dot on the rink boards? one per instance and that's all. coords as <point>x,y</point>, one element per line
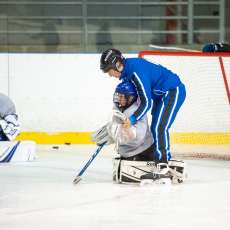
<point>62,98</point>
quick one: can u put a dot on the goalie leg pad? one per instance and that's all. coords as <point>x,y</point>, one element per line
<point>116,169</point>
<point>161,175</point>
<point>130,172</point>
<point>177,169</point>
<point>17,151</point>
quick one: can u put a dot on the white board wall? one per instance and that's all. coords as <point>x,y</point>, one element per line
<point>68,92</point>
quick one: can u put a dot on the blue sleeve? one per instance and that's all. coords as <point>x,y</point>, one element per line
<point>144,92</point>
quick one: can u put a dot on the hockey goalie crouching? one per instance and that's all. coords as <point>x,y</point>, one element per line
<point>11,150</point>
<point>133,144</point>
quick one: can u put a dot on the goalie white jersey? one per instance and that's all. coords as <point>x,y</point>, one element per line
<point>130,141</point>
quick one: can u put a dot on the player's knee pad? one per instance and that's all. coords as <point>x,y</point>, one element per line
<point>177,170</point>
<point>17,151</point>
<point>130,172</point>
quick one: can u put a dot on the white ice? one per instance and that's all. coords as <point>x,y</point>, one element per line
<point>40,195</point>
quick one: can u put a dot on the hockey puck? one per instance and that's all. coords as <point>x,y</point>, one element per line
<point>55,147</point>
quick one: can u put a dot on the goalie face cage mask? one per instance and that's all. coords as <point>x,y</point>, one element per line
<point>125,95</point>
<point>123,101</point>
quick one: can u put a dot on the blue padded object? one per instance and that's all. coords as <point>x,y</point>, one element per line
<point>209,48</point>
<point>126,88</point>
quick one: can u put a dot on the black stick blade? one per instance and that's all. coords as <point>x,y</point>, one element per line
<point>76,180</point>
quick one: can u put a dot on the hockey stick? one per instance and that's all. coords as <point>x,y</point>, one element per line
<point>172,48</point>
<point>78,177</point>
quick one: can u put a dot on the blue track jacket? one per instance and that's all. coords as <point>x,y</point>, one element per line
<point>151,80</point>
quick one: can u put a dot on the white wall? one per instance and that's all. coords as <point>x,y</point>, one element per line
<point>68,92</point>
<point>4,78</point>
<point>57,92</point>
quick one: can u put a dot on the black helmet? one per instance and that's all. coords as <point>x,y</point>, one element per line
<point>109,58</point>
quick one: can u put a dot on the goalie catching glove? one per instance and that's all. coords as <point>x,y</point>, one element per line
<point>114,133</point>
<point>101,136</point>
<point>118,117</point>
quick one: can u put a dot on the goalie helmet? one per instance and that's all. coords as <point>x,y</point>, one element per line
<point>109,58</point>
<point>125,95</point>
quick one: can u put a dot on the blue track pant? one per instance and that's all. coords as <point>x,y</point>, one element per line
<point>164,112</point>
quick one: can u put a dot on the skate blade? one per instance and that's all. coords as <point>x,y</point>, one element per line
<point>76,180</point>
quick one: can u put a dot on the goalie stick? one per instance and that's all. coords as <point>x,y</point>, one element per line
<point>172,48</point>
<point>78,177</point>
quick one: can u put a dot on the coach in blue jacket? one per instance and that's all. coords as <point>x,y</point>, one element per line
<point>157,86</point>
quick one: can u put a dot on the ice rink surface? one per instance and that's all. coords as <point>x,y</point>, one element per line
<point>40,195</point>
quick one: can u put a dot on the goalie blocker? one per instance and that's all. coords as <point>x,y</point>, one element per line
<point>133,172</point>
